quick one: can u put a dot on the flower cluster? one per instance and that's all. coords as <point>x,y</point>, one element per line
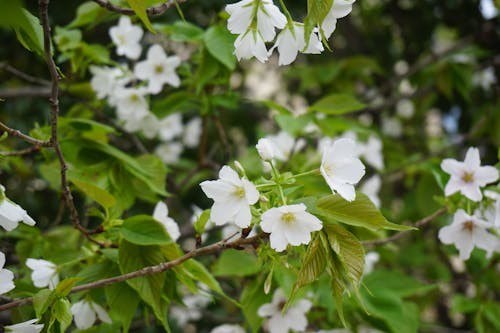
<point>469,230</point>
<point>255,23</point>
<point>129,91</point>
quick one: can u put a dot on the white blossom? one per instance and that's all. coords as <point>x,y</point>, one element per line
<point>468,176</point>
<point>290,224</point>
<point>194,304</point>
<point>250,44</point>
<point>339,9</point>
<point>158,69</point>
<point>130,103</point>
<point>11,213</point>
<point>170,127</point>
<point>341,168</point>
<point>25,327</point>
<point>488,9</point>
<point>371,152</point>
<point>268,150</point>
<point>105,80</point>
<point>392,127</point>
<point>293,319</point>
<point>192,133</point>
<point>241,16</point>
<point>232,197</point>
<point>169,152</point>
<point>228,328</point>
<point>6,277</point>
<point>126,38</point>
<point>160,214</point>
<point>292,40</point>
<point>371,258</point>
<point>286,144</point>
<point>44,273</point>
<point>466,232</point>
<point>371,187</point>
<point>84,314</point>
<point>405,108</point>
<point>485,78</point>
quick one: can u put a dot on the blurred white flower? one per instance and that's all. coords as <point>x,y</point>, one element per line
<point>341,168</point>
<point>130,103</point>
<point>485,78</point>
<point>25,327</point>
<point>232,197</point>
<point>169,152</point>
<point>160,214</point>
<point>291,40</point>
<point>371,187</point>
<point>371,151</point>
<point>170,127</point>
<point>433,123</point>
<point>488,9</point>
<point>405,108</point>
<point>492,213</point>
<point>401,67</point>
<point>468,176</point>
<point>6,277</point>
<point>44,273</point>
<point>290,224</point>
<point>106,79</point>
<point>339,9</point>
<point>466,232</point>
<point>286,144</point>
<point>293,319</point>
<point>268,150</point>
<point>392,127</point>
<point>406,88</point>
<point>192,311</point>
<point>192,133</point>
<point>371,258</point>
<point>84,314</point>
<point>228,328</point>
<point>11,213</point>
<point>158,69</point>
<point>126,38</point>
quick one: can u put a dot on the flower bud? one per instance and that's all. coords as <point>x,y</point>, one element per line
<point>266,149</point>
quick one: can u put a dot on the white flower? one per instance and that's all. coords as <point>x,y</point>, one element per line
<point>371,187</point>
<point>232,197</point>
<point>468,176</point>
<point>466,232</point>
<point>228,328</point>
<point>286,144</point>
<point>130,103</point>
<point>25,327</point>
<point>371,151</point>
<point>293,319</point>
<point>289,224</point>
<point>106,79</point>
<point>160,214</point>
<point>241,16</point>
<point>405,108</point>
<point>169,152</point>
<point>341,168</point>
<point>84,314</point>
<point>44,273</point>
<point>192,133</point>
<point>268,150</point>
<point>6,277</point>
<point>339,9</point>
<point>194,304</point>
<point>485,78</point>
<point>170,127</point>
<point>488,9</point>
<point>392,127</point>
<point>250,44</point>
<point>371,258</point>
<point>148,125</point>
<point>126,37</point>
<point>289,43</point>
<point>158,69</point>
<point>11,214</point>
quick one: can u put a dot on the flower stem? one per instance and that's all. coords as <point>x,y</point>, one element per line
<point>287,13</point>
<point>276,177</point>
<point>307,173</point>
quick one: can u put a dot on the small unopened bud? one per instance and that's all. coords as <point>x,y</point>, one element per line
<point>239,167</point>
<point>266,149</point>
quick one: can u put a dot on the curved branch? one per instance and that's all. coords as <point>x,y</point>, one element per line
<point>418,224</point>
<point>27,138</point>
<point>151,11</point>
<point>209,249</point>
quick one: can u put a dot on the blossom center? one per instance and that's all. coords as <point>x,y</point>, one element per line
<point>468,177</point>
<point>328,169</point>
<point>134,98</point>
<point>288,217</point>
<point>240,192</point>
<point>468,225</point>
<point>158,69</point>
<point>122,39</point>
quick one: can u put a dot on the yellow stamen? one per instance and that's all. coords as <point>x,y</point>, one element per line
<point>288,218</point>
<point>468,177</point>
<point>468,225</point>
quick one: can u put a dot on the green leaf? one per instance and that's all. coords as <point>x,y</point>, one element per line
<point>236,263</point>
<point>349,250</point>
<point>64,287</point>
<point>252,297</point>
<point>207,70</point>
<point>144,230</point>
<point>123,302</point>
<point>42,301</point>
<point>316,13</point>
<point>88,13</point>
<point>132,257</point>
<point>182,31</point>
<point>337,104</point>
<point>360,213</point>
<point>62,312</point>
<point>199,225</point>
<point>139,7</point>
<point>29,32</point>
<point>292,124</point>
<point>198,272</point>
<point>219,43</point>
<point>313,264</point>
<point>396,282</point>
<point>94,192</point>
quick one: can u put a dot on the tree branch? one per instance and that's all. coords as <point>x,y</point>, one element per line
<point>418,224</point>
<point>22,75</point>
<point>27,138</point>
<point>35,91</point>
<point>209,249</point>
<point>27,151</point>
<point>151,11</point>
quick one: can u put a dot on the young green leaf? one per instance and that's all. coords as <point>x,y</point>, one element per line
<point>144,230</point>
<point>139,7</point>
<point>219,43</point>
<point>337,104</point>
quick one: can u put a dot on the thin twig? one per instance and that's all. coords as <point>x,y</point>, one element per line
<point>54,114</point>
<point>27,151</point>
<point>209,249</point>
<point>27,138</point>
<point>23,76</point>
<point>418,224</point>
<point>151,11</point>
<point>35,91</point>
